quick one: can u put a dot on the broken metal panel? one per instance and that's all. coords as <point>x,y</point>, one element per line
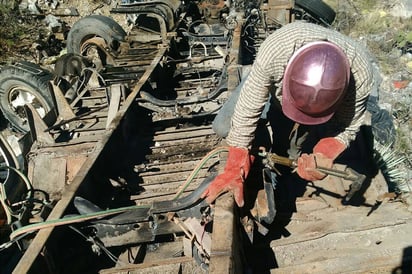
<point>280,11</point>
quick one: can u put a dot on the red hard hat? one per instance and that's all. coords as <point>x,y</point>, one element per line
<point>315,82</point>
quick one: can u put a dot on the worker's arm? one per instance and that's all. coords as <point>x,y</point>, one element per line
<point>349,118</point>
<point>351,115</point>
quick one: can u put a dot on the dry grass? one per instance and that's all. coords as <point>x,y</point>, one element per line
<point>16,29</point>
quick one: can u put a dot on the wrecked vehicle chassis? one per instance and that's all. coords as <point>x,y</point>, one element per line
<point>123,145</point>
<point>127,123</point>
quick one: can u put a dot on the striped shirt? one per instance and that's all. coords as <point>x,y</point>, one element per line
<point>267,73</point>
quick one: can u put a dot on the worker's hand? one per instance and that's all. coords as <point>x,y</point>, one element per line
<point>307,164</point>
<point>236,170</point>
<point>324,153</point>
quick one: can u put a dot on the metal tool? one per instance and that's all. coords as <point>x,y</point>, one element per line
<point>271,159</point>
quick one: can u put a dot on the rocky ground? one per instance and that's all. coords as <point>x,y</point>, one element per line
<point>38,30</point>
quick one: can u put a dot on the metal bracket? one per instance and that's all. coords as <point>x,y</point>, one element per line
<point>116,92</point>
<point>64,111</point>
<point>38,128</point>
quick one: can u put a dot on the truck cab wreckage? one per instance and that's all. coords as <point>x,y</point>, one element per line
<point>118,147</point>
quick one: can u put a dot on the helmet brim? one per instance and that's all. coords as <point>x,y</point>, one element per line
<point>298,116</point>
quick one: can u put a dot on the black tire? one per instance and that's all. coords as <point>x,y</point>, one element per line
<point>21,84</point>
<point>92,26</point>
<point>318,10</point>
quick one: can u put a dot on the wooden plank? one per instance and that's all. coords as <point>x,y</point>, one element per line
<point>223,236</point>
<point>347,239</point>
<point>172,265</point>
<point>170,168</point>
<point>378,250</point>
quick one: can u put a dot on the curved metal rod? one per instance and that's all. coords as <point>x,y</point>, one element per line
<point>188,201</point>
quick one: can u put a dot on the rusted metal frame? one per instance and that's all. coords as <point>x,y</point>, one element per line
<point>93,128</point>
<point>165,190</point>
<point>177,173</point>
<point>181,156</point>
<point>170,131</point>
<point>84,116</point>
<point>182,137</point>
<point>193,147</point>
<point>139,51</point>
<point>174,180</point>
<point>102,44</point>
<point>38,128</point>
<point>130,66</point>
<point>165,168</point>
<point>196,145</point>
<point>173,164</point>
<point>116,92</point>
<point>79,97</point>
<point>41,237</point>
<point>137,7</point>
<point>163,27</point>
<point>93,97</point>
<point>165,23</point>
<point>112,234</point>
<point>176,159</point>
<point>181,141</point>
<point>64,111</point>
<point>182,91</point>
<point>182,134</point>
<point>169,152</point>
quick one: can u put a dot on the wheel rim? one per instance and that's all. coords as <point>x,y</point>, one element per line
<point>96,50</point>
<point>19,97</point>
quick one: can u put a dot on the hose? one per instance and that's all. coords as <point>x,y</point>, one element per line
<point>162,206</point>
<point>198,168</point>
<point>3,195</point>
<point>73,219</point>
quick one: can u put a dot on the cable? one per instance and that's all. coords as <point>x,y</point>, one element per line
<point>198,168</point>
<point>74,219</point>
<point>3,195</point>
<point>109,254</point>
<point>9,243</point>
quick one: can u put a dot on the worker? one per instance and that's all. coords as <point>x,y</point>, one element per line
<point>313,79</point>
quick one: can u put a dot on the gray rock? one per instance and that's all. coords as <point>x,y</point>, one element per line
<point>403,8</point>
<point>53,23</point>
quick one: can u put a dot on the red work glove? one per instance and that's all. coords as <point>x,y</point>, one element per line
<point>236,170</point>
<point>324,153</point>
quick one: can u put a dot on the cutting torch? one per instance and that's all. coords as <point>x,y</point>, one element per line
<point>271,159</point>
